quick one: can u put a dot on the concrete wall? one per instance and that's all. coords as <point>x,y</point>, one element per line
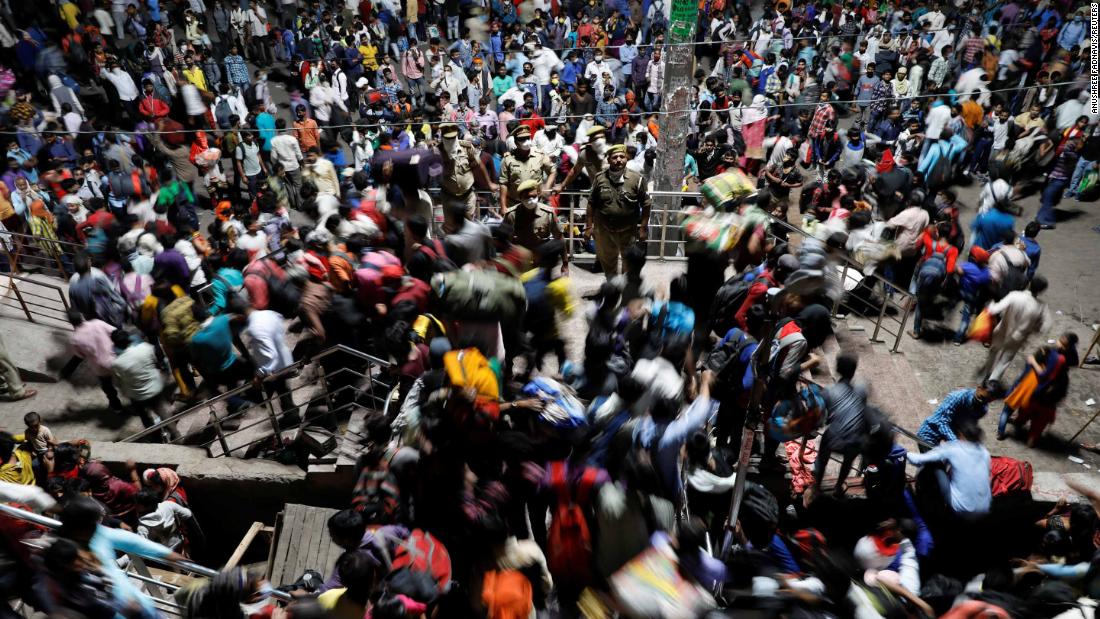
<point>228,494</point>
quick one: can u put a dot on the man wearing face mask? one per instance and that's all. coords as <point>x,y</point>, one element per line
<point>533,222</point>
<point>549,140</point>
<point>595,69</point>
<point>618,211</point>
<point>460,166</point>
<point>523,164</point>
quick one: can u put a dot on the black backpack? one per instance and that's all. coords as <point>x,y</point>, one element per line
<point>433,249</point>
<point>283,295</point>
<point>725,359</point>
<point>222,111</point>
<point>730,297</point>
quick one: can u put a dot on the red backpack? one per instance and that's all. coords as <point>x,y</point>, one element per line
<point>569,541</point>
<point>421,568</point>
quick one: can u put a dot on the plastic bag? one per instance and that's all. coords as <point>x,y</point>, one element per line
<point>1089,184</point>
<point>650,585</point>
<point>981,328</point>
<point>561,408</point>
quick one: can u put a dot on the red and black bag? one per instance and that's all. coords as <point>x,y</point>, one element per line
<point>569,541</point>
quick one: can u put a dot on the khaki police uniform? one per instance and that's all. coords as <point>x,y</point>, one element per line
<point>532,227</point>
<point>617,209</point>
<point>514,171</point>
<point>457,181</point>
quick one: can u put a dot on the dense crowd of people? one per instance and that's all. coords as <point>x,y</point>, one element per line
<point>233,189</point>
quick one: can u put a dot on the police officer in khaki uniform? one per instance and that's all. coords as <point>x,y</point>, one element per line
<point>618,210</point>
<point>533,223</point>
<point>523,164</point>
<point>460,164</point>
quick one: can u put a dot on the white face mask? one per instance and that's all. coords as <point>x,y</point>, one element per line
<point>531,203</point>
<point>600,145</point>
<point>524,146</point>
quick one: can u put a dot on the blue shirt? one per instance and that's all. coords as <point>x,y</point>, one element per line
<point>669,438</point>
<point>974,277</point>
<point>105,544</point>
<point>968,466</point>
<point>959,404</point>
<point>570,72</point>
<point>990,226</point>
<point>265,123</point>
<point>746,356</point>
<point>212,345</point>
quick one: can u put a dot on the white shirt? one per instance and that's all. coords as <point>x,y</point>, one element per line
<point>551,147</point>
<point>1000,133</point>
<point>257,17</point>
<point>162,525</point>
<point>194,261</point>
<point>136,374</point>
<point>544,62</point>
<point>286,151</point>
<point>192,100</point>
<point>267,341</point>
<point>937,119</point>
<point>123,83</point>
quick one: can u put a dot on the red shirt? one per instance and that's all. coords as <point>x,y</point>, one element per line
<point>757,292</point>
<point>942,247</point>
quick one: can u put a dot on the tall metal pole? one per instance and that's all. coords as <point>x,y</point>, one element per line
<point>674,125</point>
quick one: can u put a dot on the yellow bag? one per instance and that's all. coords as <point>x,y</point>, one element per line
<point>981,328</point>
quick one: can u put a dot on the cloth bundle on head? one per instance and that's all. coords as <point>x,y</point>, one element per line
<point>876,551</point>
<point>886,163</point>
<point>313,266</point>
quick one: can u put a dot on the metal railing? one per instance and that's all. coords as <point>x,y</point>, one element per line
<point>377,391</point>
<point>136,568</point>
<point>894,298</point>
<point>665,240</point>
<point>33,303</point>
<point>29,253</point>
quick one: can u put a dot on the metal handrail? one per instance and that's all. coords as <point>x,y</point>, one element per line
<point>22,240</point>
<point>285,372</point>
<point>25,305</point>
<point>905,307</point>
<point>272,418</point>
<point>187,566</point>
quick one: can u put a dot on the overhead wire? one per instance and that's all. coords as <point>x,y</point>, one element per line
<point>433,123</point>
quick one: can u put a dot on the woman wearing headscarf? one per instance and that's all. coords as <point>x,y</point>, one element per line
<point>902,89</point>
<point>115,494</point>
<point>166,484</point>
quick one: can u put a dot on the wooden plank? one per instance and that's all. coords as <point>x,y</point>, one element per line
<point>246,541</point>
<point>287,543</point>
<point>312,551</point>
<point>297,548</point>
<point>330,551</point>
<point>273,541</point>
